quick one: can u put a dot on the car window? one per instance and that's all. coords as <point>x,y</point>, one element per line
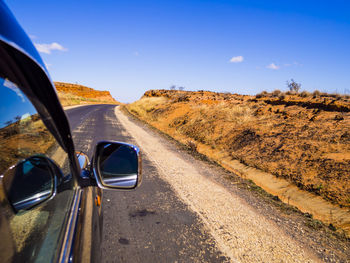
<point>35,234</point>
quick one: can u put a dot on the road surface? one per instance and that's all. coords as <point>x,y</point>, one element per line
<point>185,210</point>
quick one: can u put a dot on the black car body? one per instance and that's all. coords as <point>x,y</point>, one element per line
<point>50,196</point>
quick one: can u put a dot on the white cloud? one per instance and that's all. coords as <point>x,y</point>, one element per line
<point>273,66</point>
<point>47,48</point>
<point>12,86</point>
<point>32,37</point>
<point>296,64</point>
<point>237,59</point>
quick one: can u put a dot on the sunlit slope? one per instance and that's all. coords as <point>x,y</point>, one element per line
<point>304,138</point>
<point>73,94</point>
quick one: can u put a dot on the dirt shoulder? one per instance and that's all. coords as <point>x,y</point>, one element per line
<point>247,224</point>
<point>301,140</point>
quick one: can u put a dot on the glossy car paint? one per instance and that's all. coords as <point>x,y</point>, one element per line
<point>21,63</point>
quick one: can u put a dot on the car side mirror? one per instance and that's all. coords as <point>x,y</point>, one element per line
<point>30,182</point>
<point>117,165</point>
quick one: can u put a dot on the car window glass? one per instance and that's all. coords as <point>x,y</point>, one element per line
<point>29,183</point>
<point>35,233</point>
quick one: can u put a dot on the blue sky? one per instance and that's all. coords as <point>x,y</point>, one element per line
<point>128,47</point>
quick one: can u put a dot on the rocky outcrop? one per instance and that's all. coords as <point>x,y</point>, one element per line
<point>85,92</point>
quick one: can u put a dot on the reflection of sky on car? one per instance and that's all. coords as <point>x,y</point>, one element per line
<point>13,103</point>
<point>27,166</point>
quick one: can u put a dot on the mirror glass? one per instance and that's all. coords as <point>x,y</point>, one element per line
<point>118,164</point>
<point>29,183</point>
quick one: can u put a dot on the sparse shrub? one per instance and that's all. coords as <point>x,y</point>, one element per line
<point>334,95</point>
<point>172,87</point>
<point>316,93</point>
<point>345,137</point>
<point>332,227</point>
<point>281,96</point>
<point>304,94</point>
<point>182,97</point>
<point>314,224</point>
<point>134,111</point>
<point>276,198</point>
<point>338,117</point>
<point>276,92</point>
<point>261,94</point>
<point>192,146</point>
<point>293,86</point>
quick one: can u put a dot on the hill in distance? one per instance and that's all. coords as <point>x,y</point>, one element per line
<point>74,94</point>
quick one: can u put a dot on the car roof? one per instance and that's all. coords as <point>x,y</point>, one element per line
<point>13,34</point>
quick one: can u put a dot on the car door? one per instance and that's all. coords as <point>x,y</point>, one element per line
<point>37,189</point>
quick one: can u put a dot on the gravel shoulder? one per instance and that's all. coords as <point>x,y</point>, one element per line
<point>244,228</point>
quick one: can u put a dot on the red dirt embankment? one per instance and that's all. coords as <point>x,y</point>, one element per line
<point>74,94</point>
<point>302,138</point>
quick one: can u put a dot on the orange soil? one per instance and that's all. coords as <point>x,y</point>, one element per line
<point>95,96</point>
<point>304,140</point>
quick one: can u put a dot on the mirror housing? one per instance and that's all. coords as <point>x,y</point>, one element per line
<point>117,165</point>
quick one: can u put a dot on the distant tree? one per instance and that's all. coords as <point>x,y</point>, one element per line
<point>181,88</point>
<point>17,118</point>
<point>172,87</point>
<point>293,86</point>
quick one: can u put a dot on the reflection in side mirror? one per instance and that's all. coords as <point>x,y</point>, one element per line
<point>30,182</point>
<point>117,165</point>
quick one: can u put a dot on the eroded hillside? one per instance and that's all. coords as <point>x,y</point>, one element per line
<point>74,94</point>
<point>304,138</point>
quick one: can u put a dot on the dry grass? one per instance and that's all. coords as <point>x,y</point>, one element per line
<point>286,136</point>
<point>68,99</point>
<point>74,94</point>
<point>144,106</point>
<point>227,112</point>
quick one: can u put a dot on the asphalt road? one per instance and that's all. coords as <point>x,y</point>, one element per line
<point>150,224</point>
